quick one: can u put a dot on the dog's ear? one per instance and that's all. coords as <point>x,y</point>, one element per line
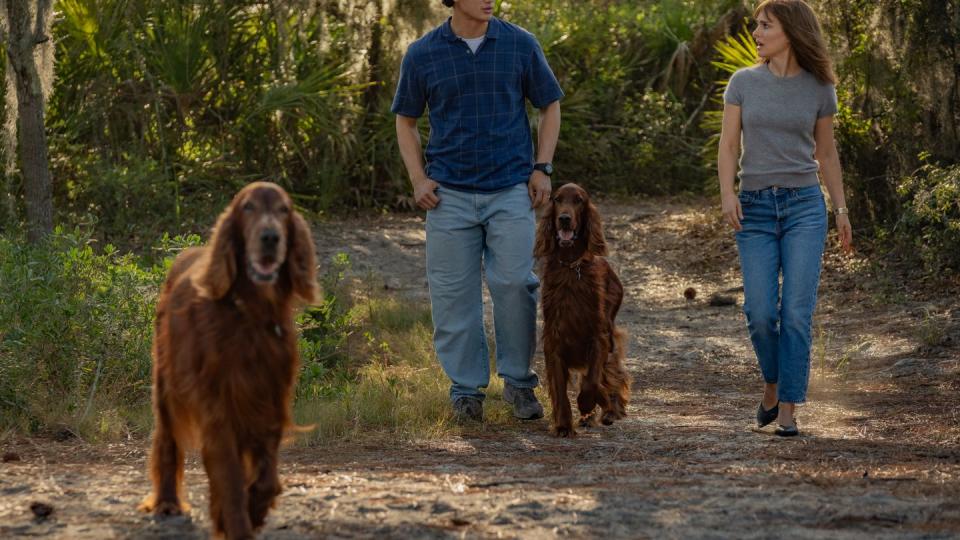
<point>593,225</point>
<point>546,232</point>
<point>219,264</point>
<point>301,259</point>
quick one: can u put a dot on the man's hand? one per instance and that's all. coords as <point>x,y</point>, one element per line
<point>732,211</point>
<point>424,193</point>
<point>539,188</point>
<point>845,232</point>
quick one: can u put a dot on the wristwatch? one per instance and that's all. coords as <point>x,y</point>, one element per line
<point>545,168</point>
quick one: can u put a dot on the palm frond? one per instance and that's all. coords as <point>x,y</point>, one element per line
<point>736,52</point>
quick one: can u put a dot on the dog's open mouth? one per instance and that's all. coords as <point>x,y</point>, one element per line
<point>263,271</point>
<point>566,237</point>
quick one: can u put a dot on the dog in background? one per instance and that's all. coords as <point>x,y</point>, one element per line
<point>581,295</point>
<point>225,358</point>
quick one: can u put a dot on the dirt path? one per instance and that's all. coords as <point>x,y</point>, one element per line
<point>880,455</point>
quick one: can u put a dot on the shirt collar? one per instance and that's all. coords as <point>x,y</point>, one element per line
<point>493,29</point>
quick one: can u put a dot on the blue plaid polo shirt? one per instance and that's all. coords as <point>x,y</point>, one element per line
<point>479,131</point>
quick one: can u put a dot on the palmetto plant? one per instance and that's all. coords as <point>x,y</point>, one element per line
<point>209,92</point>
<point>736,52</point>
<point>733,53</point>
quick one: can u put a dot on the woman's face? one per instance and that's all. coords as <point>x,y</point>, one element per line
<point>770,37</point>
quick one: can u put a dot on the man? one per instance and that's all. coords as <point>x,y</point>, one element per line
<point>479,188</point>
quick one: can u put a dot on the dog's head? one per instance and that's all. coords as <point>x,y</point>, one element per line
<point>571,221</point>
<point>261,237</point>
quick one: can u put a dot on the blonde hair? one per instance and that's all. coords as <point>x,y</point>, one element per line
<point>805,35</point>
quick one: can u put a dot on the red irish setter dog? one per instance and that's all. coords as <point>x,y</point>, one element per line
<point>225,358</point>
<point>581,295</point>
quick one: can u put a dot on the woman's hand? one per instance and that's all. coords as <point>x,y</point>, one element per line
<point>845,232</point>
<point>732,212</point>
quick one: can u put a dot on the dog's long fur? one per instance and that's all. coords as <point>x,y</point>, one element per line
<point>581,295</point>
<point>225,358</point>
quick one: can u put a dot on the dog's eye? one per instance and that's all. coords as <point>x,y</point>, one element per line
<point>577,199</point>
<point>248,207</point>
<point>284,209</point>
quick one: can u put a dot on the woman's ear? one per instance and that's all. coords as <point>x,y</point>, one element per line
<point>301,259</point>
<point>596,242</point>
<point>220,258</point>
<point>546,232</point>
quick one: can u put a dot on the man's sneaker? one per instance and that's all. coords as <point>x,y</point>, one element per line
<point>524,401</point>
<point>466,409</point>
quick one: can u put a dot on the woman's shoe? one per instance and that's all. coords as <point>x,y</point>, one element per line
<point>765,417</point>
<point>786,431</point>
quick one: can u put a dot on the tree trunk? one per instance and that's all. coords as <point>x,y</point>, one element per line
<point>28,24</point>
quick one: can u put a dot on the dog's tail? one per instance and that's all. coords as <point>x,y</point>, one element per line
<point>616,378</point>
<point>292,431</point>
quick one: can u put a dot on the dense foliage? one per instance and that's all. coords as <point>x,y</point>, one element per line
<point>900,115</point>
<point>161,108</point>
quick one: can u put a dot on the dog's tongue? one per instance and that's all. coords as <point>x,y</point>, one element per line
<point>566,236</point>
<point>265,268</point>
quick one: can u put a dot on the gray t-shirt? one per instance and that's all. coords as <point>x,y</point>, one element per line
<point>777,118</point>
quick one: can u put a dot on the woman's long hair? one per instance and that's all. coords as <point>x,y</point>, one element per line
<point>805,35</point>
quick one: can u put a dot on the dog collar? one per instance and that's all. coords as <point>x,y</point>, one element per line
<point>575,265</point>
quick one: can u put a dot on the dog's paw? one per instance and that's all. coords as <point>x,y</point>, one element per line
<point>588,420</point>
<point>610,416</point>
<point>163,508</point>
<point>564,431</point>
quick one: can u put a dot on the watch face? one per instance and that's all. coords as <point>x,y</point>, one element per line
<point>548,169</point>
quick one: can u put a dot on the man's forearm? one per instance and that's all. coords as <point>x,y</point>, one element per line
<point>408,138</point>
<point>548,131</point>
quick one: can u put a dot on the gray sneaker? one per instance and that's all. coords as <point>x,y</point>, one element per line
<point>467,409</point>
<point>524,401</point>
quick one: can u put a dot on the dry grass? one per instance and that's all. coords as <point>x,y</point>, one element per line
<point>397,389</point>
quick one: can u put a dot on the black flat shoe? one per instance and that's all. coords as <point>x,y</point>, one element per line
<point>765,417</point>
<point>786,431</point>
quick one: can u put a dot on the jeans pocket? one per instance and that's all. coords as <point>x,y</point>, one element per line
<point>811,193</point>
<point>747,198</point>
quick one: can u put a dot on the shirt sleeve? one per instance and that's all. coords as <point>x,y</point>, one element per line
<point>733,94</point>
<point>411,97</point>
<point>828,102</point>
<point>540,85</point>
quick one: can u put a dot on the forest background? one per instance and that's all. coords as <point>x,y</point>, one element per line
<point>157,111</point>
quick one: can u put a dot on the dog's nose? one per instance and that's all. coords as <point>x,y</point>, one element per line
<point>269,238</point>
<point>564,220</point>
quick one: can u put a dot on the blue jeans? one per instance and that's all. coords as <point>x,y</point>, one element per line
<point>491,233</point>
<point>784,231</point>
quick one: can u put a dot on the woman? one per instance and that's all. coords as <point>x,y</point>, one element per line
<point>783,107</point>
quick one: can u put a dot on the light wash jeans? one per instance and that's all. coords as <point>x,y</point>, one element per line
<point>492,233</point>
<point>784,231</point>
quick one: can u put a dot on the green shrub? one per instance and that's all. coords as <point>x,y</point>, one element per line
<point>930,221</point>
<point>75,334</point>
